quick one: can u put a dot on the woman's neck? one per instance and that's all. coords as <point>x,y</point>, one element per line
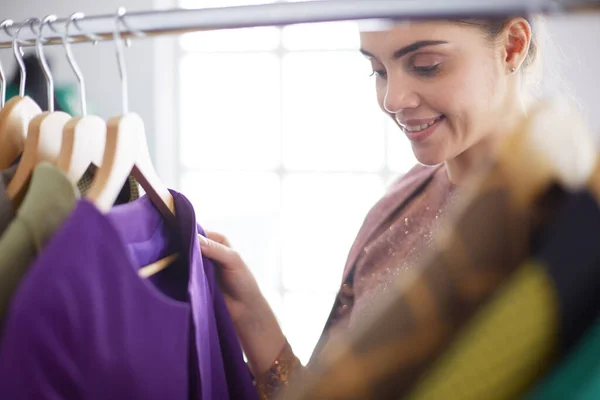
<point>461,166</point>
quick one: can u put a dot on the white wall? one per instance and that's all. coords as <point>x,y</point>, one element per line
<point>573,56</point>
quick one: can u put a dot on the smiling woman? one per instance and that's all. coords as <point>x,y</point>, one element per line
<point>453,88</point>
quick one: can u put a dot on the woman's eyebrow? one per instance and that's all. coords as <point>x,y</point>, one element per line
<point>408,49</point>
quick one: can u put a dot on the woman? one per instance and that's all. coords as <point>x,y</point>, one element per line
<point>453,88</point>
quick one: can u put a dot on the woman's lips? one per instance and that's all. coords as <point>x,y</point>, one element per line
<point>419,130</point>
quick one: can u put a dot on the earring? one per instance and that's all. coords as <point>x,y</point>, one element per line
<point>512,70</point>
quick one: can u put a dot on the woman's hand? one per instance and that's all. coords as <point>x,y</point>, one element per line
<point>256,325</point>
<point>235,278</point>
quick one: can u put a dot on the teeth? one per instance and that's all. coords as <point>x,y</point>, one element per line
<point>417,128</point>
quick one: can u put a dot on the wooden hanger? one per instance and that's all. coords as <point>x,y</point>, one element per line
<point>84,137</point>
<point>44,133</point>
<point>83,141</point>
<point>126,153</point>
<point>551,145</point>
<point>17,112</point>
<point>594,182</point>
<point>42,144</point>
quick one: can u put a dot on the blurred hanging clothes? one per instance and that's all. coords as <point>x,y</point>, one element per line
<point>533,321</point>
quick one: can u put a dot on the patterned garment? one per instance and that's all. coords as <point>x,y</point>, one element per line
<point>285,370</point>
<point>385,358</point>
<point>129,192</point>
<point>399,245</point>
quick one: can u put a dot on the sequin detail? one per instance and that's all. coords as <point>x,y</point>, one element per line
<point>285,370</point>
<point>400,245</point>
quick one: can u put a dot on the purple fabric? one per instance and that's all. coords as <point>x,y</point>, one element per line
<point>239,378</point>
<point>83,325</point>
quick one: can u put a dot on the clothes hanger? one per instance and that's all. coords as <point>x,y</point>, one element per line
<point>553,145</point>
<point>44,133</point>
<point>18,111</point>
<point>126,152</point>
<point>594,182</point>
<point>83,137</point>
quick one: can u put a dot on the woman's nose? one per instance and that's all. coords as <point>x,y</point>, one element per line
<point>399,96</point>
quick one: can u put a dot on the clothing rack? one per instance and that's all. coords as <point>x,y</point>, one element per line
<point>175,21</point>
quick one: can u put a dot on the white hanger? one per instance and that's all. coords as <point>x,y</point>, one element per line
<point>18,111</point>
<point>44,133</point>
<point>126,152</point>
<point>84,137</point>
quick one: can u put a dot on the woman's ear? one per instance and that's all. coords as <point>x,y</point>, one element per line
<point>516,39</point>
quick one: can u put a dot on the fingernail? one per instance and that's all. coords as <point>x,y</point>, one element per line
<point>202,240</point>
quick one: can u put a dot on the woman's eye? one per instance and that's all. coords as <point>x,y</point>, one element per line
<point>378,72</point>
<point>427,70</point>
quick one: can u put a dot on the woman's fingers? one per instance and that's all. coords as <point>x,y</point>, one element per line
<point>218,252</point>
<point>219,238</point>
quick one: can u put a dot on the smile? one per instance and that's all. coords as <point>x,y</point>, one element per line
<point>417,133</point>
<point>422,127</point>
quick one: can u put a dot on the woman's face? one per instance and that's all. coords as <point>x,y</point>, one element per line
<point>443,83</point>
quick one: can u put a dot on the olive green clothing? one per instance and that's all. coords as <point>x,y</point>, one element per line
<point>7,211</point>
<point>48,202</point>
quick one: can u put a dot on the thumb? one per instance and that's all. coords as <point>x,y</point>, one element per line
<point>217,252</point>
<point>219,238</point>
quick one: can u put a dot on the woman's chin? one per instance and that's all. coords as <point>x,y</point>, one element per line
<point>429,158</point>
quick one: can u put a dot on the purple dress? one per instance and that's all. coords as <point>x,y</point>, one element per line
<point>84,325</point>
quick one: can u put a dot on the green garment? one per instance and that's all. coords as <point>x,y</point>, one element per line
<point>65,97</point>
<point>7,212</point>
<point>50,199</point>
<point>578,376</point>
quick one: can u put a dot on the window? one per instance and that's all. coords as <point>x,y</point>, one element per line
<point>282,148</point>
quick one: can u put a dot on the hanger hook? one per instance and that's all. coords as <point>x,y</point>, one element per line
<point>17,50</point>
<point>39,48</point>
<point>71,58</point>
<point>2,75</point>
<point>135,32</point>
<point>74,19</point>
<point>121,59</point>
